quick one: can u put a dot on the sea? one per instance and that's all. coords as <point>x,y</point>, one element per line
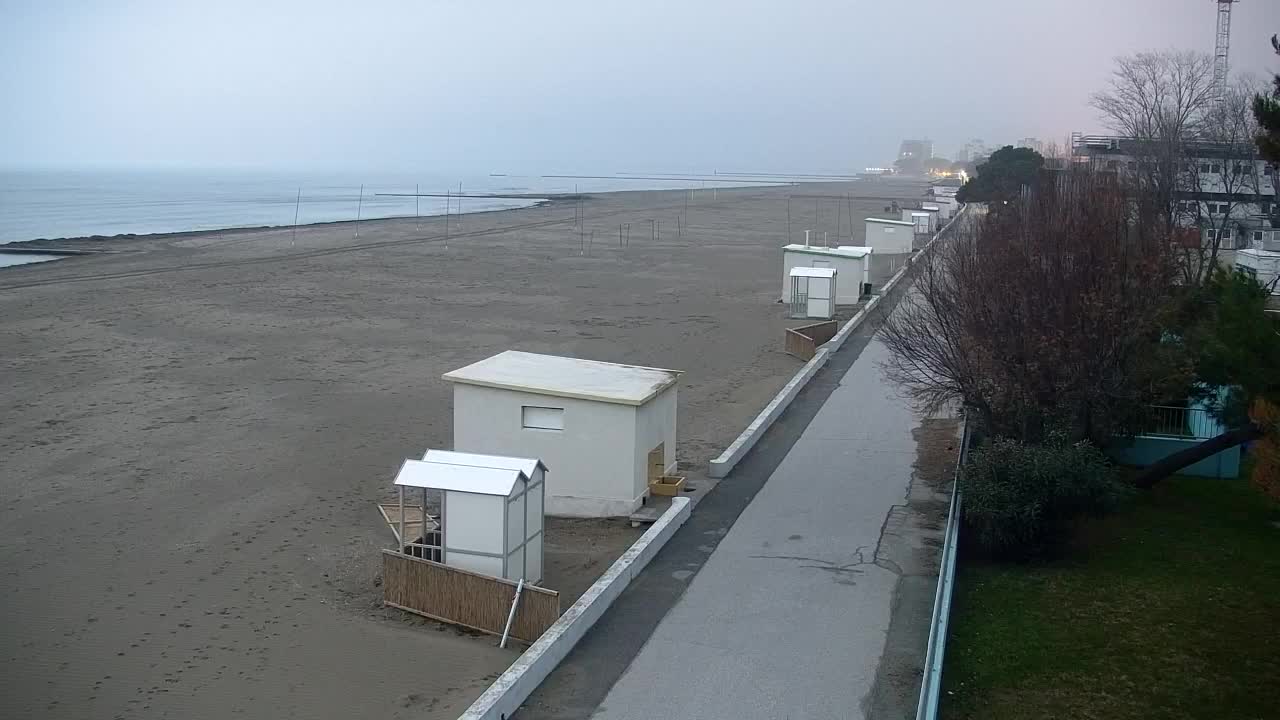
<point>38,204</point>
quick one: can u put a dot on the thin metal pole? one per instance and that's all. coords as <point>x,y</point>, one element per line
<point>297,205</point>
<point>788,219</point>
<point>849,197</point>
<point>359,208</point>
<point>511,616</point>
<point>447,201</point>
<point>401,548</point>
<point>416,224</point>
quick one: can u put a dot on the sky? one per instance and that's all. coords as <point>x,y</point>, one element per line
<point>559,86</point>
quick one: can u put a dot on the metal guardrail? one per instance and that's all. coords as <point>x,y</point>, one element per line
<point>1181,422</point>
<point>931,683</point>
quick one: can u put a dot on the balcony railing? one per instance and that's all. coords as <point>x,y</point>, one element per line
<point>1181,422</point>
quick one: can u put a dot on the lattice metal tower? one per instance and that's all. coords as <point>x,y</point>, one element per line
<point>1222,49</point>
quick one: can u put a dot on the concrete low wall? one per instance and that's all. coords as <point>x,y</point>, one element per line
<point>513,687</point>
<point>1145,450</point>
<point>748,438</point>
<point>722,465</point>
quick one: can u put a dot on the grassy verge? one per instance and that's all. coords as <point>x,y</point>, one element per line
<point>1170,609</point>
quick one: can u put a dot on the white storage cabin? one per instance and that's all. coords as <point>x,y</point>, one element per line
<point>926,221</point>
<point>943,212</point>
<point>813,292</point>
<point>491,510</point>
<point>601,425</point>
<point>852,262</point>
<point>890,237</point>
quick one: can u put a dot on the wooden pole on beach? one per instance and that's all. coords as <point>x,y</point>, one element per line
<point>359,208</point>
<point>849,200</point>
<point>297,204</point>
<point>447,199</point>
<point>417,225</point>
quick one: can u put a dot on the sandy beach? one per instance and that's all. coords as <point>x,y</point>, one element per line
<point>195,429</point>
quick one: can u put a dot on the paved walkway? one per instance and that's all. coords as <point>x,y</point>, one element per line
<point>788,618</point>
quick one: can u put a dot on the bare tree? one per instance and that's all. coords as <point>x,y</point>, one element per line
<point>1191,144</point>
<point>1045,313</point>
<point>1221,169</point>
<point>1158,99</point>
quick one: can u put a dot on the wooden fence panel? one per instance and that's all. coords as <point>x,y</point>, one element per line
<point>465,598</point>
<point>804,341</point>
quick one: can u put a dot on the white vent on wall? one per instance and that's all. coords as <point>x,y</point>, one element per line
<point>541,418</point>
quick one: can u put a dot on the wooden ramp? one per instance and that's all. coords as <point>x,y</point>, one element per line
<point>413,516</point>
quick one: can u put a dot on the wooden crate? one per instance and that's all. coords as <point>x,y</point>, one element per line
<point>667,485</point>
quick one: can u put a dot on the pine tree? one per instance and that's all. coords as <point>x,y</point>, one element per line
<point>1267,111</point>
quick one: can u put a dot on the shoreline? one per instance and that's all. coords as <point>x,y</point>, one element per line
<point>542,200</point>
<point>46,242</point>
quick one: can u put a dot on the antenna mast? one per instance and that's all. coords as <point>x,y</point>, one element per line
<point>1222,49</point>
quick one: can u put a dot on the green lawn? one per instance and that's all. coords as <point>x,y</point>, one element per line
<point>1169,609</point>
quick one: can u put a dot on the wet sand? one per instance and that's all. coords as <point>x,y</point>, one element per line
<point>196,427</point>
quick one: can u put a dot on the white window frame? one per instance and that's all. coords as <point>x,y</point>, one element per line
<point>544,418</point>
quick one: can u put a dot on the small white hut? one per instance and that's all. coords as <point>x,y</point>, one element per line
<point>852,262</point>
<point>813,292</point>
<point>606,428</point>
<point>926,221</point>
<point>890,237</point>
<point>491,511</point>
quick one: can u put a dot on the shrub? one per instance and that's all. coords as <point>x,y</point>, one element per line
<point>1021,500</point>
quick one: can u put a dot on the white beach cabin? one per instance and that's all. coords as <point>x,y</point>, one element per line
<point>926,221</point>
<point>601,425</point>
<point>813,291</point>
<point>890,237</point>
<point>941,210</point>
<point>852,262</point>
<point>491,511</point>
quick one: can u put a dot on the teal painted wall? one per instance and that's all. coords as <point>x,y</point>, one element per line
<point>1142,451</point>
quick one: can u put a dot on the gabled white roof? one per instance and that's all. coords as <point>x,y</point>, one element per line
<point>813,272</point>
<point>528,466</point>
<point>567,377</point>
<point>459,478</point>
<point>852,251</point>
<point>891,222</point>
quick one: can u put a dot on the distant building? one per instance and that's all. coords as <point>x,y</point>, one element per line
<point>975,150</point>
<point>1032,143</point>
<point>1224,193</point>
<point>918,150</point>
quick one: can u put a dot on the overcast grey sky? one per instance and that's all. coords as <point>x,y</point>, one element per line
<point>476,86</point>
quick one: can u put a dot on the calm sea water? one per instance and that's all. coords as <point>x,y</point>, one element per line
<point>57,204</point>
